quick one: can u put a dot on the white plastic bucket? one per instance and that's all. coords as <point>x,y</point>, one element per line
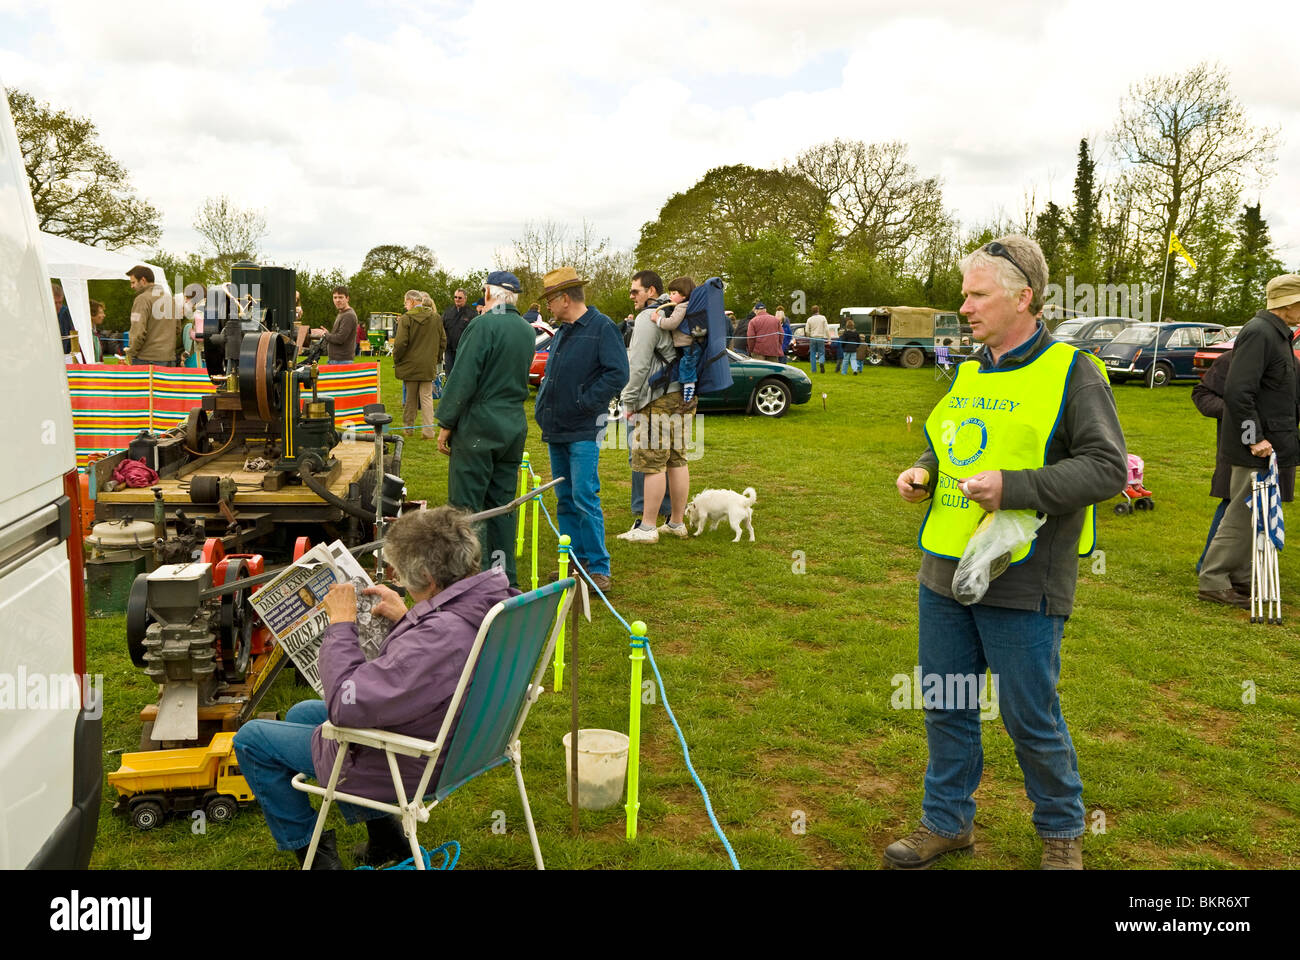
<point>602,768</point>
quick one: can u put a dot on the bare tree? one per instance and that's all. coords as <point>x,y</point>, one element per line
<point>544,245</point>
<point>877,200</point>
<point>1185,137</point>
<point>233,232</point>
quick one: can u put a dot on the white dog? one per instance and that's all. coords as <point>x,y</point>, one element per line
<point>719,505</point>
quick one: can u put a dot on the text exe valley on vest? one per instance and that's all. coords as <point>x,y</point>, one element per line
<point>982,403</point>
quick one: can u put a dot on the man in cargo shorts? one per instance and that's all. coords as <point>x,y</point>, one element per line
<point>660,422</point>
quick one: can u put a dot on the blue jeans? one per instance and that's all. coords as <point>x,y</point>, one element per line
<point>816,351</point>
<point>1022,648</point>
<point>689,363</point>
<point>638,485</point>
<point>270,752</point>
<point>848,359</point>
<point>578,511</point>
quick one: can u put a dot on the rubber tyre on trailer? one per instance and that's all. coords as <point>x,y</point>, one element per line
<point>875,358</point>
<point>1161,372</point>
<point>771,398</point>
<point>221,809</point>
<point>913,358</point>
<point>147,814</point>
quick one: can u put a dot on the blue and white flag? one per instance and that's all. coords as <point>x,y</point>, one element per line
<point>1270,520</point>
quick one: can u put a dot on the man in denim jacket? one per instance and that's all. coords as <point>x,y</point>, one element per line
<point>586,369</point>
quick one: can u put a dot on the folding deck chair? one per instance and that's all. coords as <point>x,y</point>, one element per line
<point>942,362</point>
<point>500,681</point>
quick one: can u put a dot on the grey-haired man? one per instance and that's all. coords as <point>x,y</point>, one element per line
<point>1029,425</point>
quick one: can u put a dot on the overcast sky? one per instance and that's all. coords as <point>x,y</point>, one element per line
<point>450,124</point>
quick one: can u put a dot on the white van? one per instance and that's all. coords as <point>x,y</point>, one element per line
<point>51,764</point>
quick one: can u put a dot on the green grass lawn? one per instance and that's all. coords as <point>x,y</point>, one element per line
<point>781,680</point>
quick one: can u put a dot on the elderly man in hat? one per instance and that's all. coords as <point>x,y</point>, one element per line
<point>1261,407</point>
<point>482,415</point>
<point>587,368</point>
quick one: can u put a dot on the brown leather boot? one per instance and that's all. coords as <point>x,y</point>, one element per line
<point>922,847</point>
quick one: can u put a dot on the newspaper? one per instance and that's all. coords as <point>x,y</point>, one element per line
<point>292,606</point>
<point>372,630</point>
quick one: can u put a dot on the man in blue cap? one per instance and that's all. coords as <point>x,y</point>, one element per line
<point>482,415</point>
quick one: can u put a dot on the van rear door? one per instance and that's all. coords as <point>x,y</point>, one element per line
<point>50,760</point>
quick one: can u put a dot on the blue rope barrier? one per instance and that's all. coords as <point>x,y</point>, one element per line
<point>640,642</point>
<point>450,857</point>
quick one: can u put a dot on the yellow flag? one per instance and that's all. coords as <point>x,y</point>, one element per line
<point>1176,246</point>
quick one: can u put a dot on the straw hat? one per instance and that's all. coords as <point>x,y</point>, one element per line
<point>559,280</point>
<point>1283,291</point>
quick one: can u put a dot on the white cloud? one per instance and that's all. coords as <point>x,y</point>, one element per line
<point>450,124</point>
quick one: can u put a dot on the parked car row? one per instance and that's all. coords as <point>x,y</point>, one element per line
<point>1158,353</point>
<point>1206,356</point>
<point>758,386</point>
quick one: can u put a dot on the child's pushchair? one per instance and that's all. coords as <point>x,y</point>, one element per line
<point>1135,495</point>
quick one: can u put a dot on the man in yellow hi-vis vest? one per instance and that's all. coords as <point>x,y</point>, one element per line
<point>1028,424</point>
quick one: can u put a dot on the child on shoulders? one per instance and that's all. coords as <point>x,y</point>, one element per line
<point>672,316</point>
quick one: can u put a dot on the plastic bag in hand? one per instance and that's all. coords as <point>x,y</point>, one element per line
<point>988,554</point>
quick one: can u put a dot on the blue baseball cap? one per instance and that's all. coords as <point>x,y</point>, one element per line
<point>505,279</point>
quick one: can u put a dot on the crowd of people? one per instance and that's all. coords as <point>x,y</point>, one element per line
<point>167,329</point>
<point>768,336</point>
<point>1029,424</point>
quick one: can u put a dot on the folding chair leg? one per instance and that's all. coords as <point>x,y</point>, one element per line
<point>324,810</point>
<point>1256,582</point>
<point>417,860</point>
<point>528,813</point>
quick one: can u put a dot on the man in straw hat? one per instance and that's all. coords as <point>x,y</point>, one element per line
<point>586,369</point>
<point>1261,407</point>
<point>482,416</point>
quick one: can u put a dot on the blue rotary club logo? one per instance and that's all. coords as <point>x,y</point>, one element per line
<point>968,442</point>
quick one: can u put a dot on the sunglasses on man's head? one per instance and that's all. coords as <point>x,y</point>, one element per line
<point>998,250</point>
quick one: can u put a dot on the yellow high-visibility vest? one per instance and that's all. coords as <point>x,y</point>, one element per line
<point>995,420</point>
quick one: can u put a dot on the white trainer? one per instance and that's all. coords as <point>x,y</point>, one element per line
<point>680,530</point>
<point>640,534</point>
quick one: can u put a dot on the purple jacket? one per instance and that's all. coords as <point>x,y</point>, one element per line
<point>407,688</point>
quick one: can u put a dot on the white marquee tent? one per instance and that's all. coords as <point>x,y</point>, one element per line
<point>73,264</point>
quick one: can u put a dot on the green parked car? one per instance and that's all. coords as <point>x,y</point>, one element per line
<point>761,387</point>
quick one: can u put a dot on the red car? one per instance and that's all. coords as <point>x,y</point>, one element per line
<point>542,351</point>
<point>1206,356</point>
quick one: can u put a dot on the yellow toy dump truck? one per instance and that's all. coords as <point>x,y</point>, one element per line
<point>157,782</point>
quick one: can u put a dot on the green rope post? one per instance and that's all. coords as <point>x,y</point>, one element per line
<point>537,503</point>
<point>524,470</point>
<point>634,728</point>
<point>559,641</point>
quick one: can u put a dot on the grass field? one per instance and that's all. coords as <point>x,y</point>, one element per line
<point>781,680</point>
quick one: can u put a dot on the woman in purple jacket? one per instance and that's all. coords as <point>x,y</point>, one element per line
<point>406,688</point>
